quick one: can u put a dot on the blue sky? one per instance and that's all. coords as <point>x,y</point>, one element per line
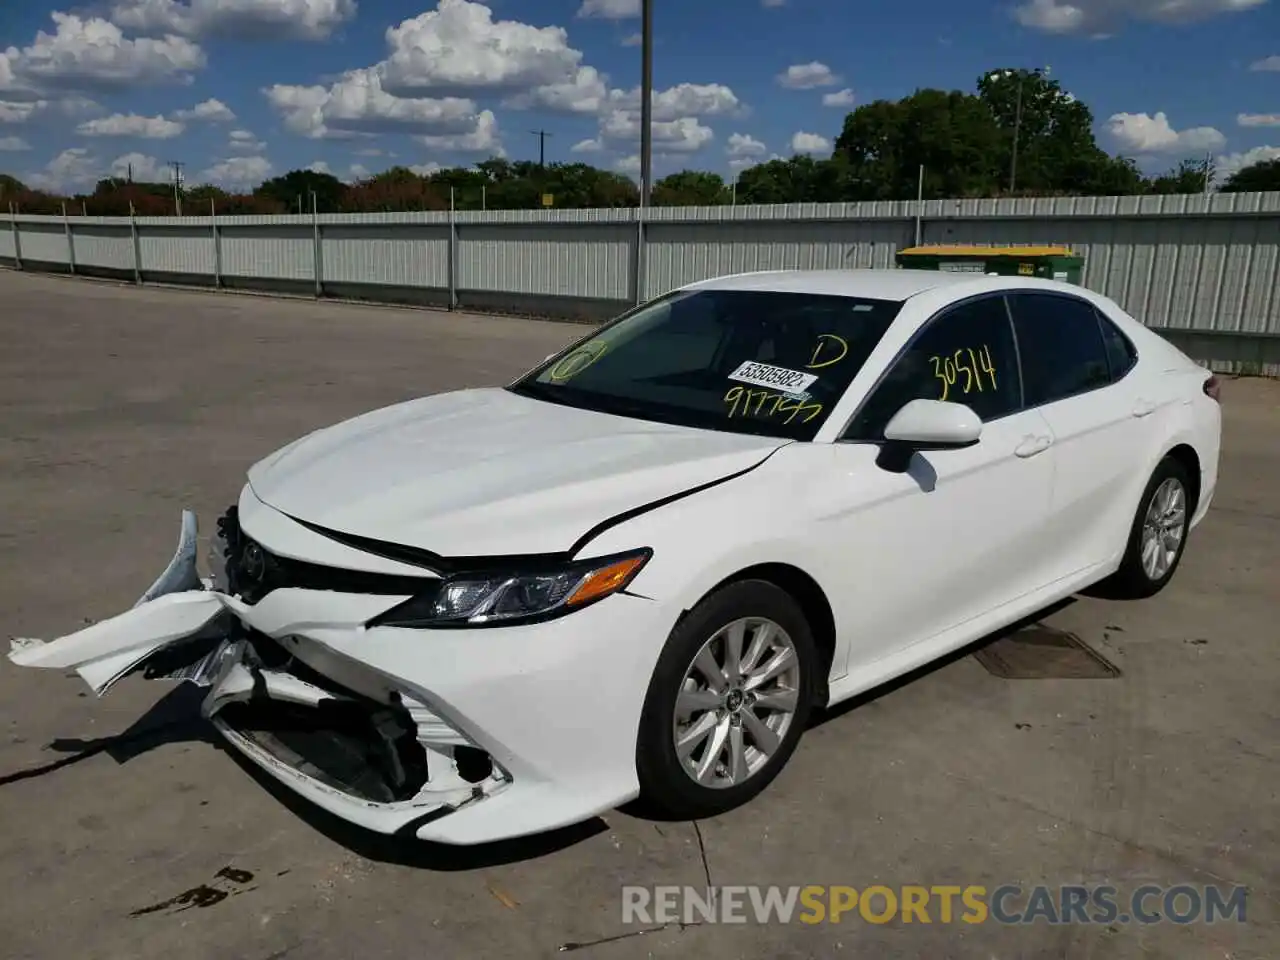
<point>241,89</point>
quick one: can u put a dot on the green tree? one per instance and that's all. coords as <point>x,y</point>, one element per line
<point>1190,176</point>
<point>691,188</point>
<point>1257,177</point>
<point>295,188</point>
<point>10,186</point>
<point>953,135</point>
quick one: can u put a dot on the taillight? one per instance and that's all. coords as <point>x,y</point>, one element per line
<point>1213,388</point>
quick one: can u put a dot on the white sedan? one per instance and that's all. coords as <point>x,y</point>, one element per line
<point>637,569</point>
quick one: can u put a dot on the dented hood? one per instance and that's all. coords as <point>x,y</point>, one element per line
<point>485,472</point>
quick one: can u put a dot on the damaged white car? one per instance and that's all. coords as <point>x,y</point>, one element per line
<point>635,570</point>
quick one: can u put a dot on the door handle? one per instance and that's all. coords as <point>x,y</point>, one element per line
<point>1143,408</point>
<point>1033,445</point>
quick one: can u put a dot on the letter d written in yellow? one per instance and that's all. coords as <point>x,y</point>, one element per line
<point>815,911</point>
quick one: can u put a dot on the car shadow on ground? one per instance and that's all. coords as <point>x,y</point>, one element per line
<point>174,718</point>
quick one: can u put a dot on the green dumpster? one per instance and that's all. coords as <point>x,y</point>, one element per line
<point>1048,263</point>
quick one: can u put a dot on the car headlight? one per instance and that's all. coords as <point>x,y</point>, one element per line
<point>508,597</point>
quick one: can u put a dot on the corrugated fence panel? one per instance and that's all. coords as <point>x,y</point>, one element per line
<point>182,250</point>
<point>269,252</point>
<point>44,243</point>
<point>579,260</point>
<point>394,255</point>
<point>107,247</point>
<point>680,253</point>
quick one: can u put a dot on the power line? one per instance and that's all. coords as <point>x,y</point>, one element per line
<point>542,145</point>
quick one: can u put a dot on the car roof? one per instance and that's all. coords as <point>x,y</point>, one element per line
<point>890,284</point>
<point>887,284</point>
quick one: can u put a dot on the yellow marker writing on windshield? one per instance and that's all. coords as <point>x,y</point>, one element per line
<point>747,402</point>
<point>572,365</point>
<point>969,362</point>
<point>828,343</point>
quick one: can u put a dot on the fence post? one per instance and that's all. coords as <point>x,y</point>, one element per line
<point>453,255</point>
<point>71,240</point>
<point>217,245</point>
<point>639,263</point>
<point>318,269</point>
<point>17,238</point>
<point>137,245</point>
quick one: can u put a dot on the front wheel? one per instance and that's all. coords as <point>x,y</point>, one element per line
<point>1159,534</point>
<point>728,701</point>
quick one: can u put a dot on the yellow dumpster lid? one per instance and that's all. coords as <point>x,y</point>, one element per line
<point>975,249</point>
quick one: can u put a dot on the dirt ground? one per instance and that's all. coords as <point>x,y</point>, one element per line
<point>126,831</point>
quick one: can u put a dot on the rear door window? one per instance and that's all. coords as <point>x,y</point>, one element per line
<point>1060,345</point>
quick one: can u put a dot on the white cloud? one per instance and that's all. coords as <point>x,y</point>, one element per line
<point>628,164</point>
<point>744,145</point>
<point>483,139</point>
<point>459,49</point>
<point>809,143</point>
<point>70,170</point>
<point>841,98</point>
<point>1258,119</point>
<point>594,145</point>
<point>131,125</point>
<point>633,40</point>
<point>238,173</point>
<point>13,144</point>
<point>807,76</point>
<point>142,168</point>
<point>14,111</point>
<point>372,152</point>
<point>426,169</point>
<point>610,9</point>
<point>1142,133</point>
<point>294,19</point>
<point>1266,63</point>
<point>244,141</point>
<point>773,3</point>
<point>1228,164</point>
<point>682,135</point>
<point>210,111</point>
<point>357,171</point>
<point>93,53</point>
<point>1099,16</point>
<point>682,100</point>
<point>357,104</point>
<point>319,167</point>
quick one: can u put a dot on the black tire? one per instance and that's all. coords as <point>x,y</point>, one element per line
<point>1131,581</point>
<point>666,788</point>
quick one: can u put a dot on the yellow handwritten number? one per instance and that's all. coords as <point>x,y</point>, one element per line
<point>972,363</point>
<point>763,403</point>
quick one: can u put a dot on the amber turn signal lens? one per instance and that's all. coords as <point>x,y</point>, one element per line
<point>606,580</point>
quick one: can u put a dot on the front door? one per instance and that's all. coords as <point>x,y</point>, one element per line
<point>960,533</point>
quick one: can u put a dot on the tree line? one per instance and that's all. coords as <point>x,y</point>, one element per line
<point>1017,134</point>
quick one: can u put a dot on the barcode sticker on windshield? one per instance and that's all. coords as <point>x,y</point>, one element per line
<point>781,379</point>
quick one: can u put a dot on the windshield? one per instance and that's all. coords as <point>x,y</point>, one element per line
<point>746,361</point>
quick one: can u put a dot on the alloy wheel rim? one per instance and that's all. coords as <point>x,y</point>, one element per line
<point>737,701</point>
<point>1163,528</point>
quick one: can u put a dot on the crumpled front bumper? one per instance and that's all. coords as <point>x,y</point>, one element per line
<point>470,736</point>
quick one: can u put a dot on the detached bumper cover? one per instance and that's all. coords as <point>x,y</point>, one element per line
<point>454,736</point>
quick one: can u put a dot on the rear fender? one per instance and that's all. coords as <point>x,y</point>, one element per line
<point>175,625</point>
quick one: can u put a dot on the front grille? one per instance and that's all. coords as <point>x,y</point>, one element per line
<point>253,571</point>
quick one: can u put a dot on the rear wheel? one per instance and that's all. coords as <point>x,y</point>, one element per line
<point>1159,534</point>
<point>728,701</point>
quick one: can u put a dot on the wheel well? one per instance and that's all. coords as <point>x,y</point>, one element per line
<point>1186,456</point>
<point>817,610</point>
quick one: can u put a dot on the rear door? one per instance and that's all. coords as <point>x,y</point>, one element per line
<point>1076,369</point>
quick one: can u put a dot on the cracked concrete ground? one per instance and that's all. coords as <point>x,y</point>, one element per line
<point>126,832</point>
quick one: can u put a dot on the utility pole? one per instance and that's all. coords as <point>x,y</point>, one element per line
<point>1017,123</point>
<point>646,101</point>
<point>542,145</point>
<point>177,186</point>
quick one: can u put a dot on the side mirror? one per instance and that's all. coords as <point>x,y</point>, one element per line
<point>927,425</point>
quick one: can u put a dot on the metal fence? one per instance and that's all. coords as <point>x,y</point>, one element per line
<point>1203,270</point>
